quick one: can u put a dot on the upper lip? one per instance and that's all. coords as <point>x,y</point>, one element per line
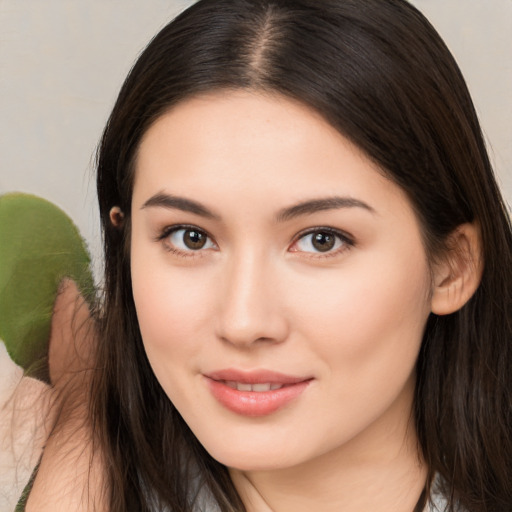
<point>254,376</point>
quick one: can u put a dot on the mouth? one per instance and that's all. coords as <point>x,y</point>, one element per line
<point>255,393</point>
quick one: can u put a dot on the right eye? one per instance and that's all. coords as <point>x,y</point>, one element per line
<point>187,239</point>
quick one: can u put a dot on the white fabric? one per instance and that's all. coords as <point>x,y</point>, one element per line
<point>436,503</point>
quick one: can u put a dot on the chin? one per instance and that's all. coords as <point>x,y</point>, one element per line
<point>254,460</point>
<point>256,454</point>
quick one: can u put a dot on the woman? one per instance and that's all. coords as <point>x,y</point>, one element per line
<point>308,272</point>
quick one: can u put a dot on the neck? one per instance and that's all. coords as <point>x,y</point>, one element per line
<point>379,470</point>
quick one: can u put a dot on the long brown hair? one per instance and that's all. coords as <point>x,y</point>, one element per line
<point>381,75</point>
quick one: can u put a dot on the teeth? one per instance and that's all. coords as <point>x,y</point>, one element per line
<point>262,387</point>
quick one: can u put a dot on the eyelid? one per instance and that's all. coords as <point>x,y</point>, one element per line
<point>165,232</point>
<point>346,239</point>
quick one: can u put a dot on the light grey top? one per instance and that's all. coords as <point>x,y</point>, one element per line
<point>437,502</point>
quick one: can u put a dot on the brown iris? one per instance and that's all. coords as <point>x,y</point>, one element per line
<point>323,241</point>
<point>194,239</point>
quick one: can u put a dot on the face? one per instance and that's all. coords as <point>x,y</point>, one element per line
<point>280,281</point>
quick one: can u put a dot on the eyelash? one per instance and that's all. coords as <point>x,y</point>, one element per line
<point>347,242</point>
<point>169,230</point>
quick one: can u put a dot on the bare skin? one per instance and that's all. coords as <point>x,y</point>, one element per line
<point>69,476</point>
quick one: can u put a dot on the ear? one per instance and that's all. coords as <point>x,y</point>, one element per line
<point>458,273</point>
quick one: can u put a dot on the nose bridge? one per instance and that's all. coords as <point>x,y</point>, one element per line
<point>250,308</point>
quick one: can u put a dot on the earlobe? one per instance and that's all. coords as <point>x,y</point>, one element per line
<point>458,274</point>
<point>116,217</point>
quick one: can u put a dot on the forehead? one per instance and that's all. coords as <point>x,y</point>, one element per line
<point>238,123</point>
<point>264,148</point>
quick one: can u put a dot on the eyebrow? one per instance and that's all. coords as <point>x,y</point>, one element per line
<point>318,205</point>
<point>308,207</point>
<point>179,203</point>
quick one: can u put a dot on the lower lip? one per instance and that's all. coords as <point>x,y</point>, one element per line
<point>254,403</point>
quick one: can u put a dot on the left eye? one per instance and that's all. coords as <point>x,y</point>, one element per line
<point>189,239</point>
<point>320,241</point>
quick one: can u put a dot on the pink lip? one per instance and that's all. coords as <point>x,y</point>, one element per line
<point>255,403</point>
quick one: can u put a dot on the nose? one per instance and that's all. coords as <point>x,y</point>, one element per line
<point>251,311</point>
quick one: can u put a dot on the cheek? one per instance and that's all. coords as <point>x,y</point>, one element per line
<point>172,310</point>
<point>169,323</point>
<point>368,322</point>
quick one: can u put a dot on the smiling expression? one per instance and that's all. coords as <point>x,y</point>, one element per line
<point>280,281</point>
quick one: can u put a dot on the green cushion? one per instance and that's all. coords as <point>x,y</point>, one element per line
<point>39,246</point>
